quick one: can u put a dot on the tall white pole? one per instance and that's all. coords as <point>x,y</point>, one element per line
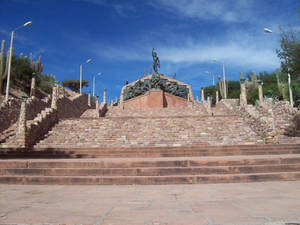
<point>225,89</point>
<point>80,78</point>
<point>94,78</point>
<point>9,66</point>
<point>290,90</point>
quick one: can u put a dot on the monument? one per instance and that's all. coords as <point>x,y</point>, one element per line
<point>156,91</point>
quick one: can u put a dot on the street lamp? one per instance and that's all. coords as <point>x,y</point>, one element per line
<point>212,76</point>
<point>29,23</point>
<point>266,30</point>
<point>94,81</point>
<point>87,61</point>
<point>224,78</point>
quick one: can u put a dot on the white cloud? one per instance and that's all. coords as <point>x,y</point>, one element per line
<point>235,48</point>
<point>227,11</point>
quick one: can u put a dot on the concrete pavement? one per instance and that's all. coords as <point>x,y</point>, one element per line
<point>269,203</point>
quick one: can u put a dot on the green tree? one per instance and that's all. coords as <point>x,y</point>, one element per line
<point>289,53</point>
<point>74,85</point>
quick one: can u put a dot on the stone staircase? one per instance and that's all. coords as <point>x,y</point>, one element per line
<point>164,146</point>
<point>163,170</point>
<point>150,130</point>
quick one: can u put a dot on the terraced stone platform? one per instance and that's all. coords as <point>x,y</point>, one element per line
<point>154,131</point>
<point>165,146</point>
<point>216,164</point>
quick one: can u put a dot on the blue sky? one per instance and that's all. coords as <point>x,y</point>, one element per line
<point>118,35</point>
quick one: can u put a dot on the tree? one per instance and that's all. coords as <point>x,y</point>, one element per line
<point>74,85</point>
<point>290,54</point>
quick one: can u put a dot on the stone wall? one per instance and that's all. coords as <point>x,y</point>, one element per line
<point>268,120</point>
<point>155,99</point>
<point>66,108</point>
<point>9,113</point>
<point>35,106</point>
<point>39,123</point>
<point>71,107</point>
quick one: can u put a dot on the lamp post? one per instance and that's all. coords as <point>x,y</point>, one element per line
<point>29,23</point>
<point>213,76</point>
<point>289,82</point>
<point>94,81</point>
<point>266,30</point>
<point>224,79</point>
<point>87,61</point>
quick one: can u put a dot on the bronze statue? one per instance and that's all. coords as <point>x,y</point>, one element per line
<point>156,63</point>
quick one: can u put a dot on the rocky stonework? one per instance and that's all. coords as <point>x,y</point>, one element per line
<point>35,106</point>
<point>9,113</point>
<point>47,118</point>
<point>273,122</point>
<point>293,130</point>
<point>150,131</point>
<point>155,82</point>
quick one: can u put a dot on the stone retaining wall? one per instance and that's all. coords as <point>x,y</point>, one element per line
<point>35,106</point>
<point>66,108</point>
<point>9,113</point>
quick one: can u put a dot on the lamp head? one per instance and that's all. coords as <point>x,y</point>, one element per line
<point>29,23</point>
<point>266,30</point>
<point>89,60</point>
<point>99,74</point>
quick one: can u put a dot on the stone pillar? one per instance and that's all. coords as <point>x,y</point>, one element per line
<point>202,95</point>
<point>217,97</point>
<point>54,98</point>
<point>21,134</point>
<point>111,102</point>
<point>97,103</point>
<point>260,93</point>
<point>89,99</point>
<point>208,105</point>
<point>104,96</point>
<point>32,88</point>
<point>197,98</point>
<point>209,101</point>
<point>243,96</point>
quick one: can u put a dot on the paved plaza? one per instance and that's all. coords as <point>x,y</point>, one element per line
<point>272,203</point>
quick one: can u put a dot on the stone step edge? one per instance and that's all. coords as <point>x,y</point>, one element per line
<point>151,117</point>
<point>180,148</point>
<point>184,171</point>
<point>174,148</point>
<point>148,180</point>
<point>184,163</point>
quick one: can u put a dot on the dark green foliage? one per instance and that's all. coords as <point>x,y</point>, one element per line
<point>74,85</point>
<point>210,91</point>
<point>252,96</point>
<point>234,89</point>
<point>21,70</point>
<point>45,83</point>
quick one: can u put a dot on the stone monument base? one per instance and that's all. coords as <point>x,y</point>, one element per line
<point>155,99</point>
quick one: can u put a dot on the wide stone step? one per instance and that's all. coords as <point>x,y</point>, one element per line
<point>151,162</point>
<point>149,152</point>
<point>151,171</point>
<point>150,180</point>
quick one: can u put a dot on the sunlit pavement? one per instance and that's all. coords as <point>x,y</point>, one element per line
<point>272,203</point>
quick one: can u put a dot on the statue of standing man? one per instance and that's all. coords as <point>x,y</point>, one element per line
<point>156,63</point>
